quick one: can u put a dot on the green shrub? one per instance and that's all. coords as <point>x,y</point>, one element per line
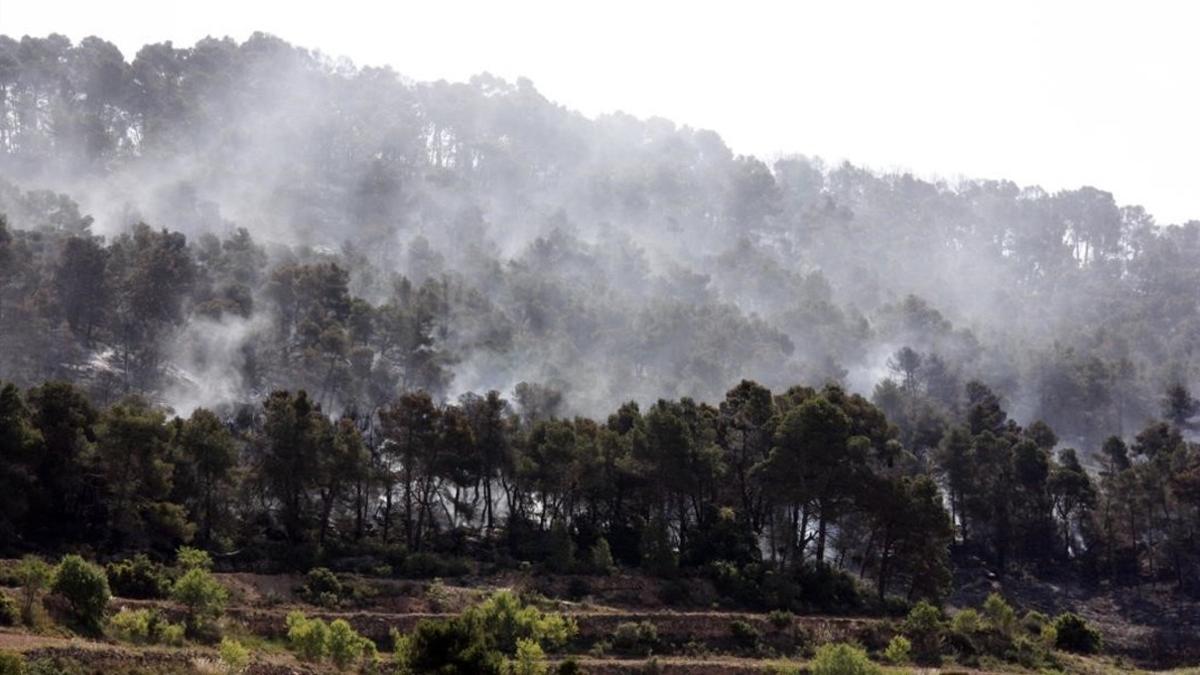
<point>323,588</point>
<point>234,657</point>
<point>560,549</point>
<point>744,634</point>
<point>602,559</point>
<point>635,638</point>
<point>999,616</point>
<point>424,565</point>
<point>308,638</point>
<point>1034,622</point>
<point>144,627</point>
<point>346,646</point>
<point>482,639</point>
<point>925,628</point>
<point>138,577</point>
<point>132,626</point>
<point>34,575</point>
<point>85,589</point>
<point>1075,634</point>
<point>899,651</point>
<point>203,599</point>
<point>842,659</point>
<point>11,664</point>
<point>9,613</point>
<point>188,558</point>
<point>780,618</point>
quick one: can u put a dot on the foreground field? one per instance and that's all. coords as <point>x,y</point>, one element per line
<point>693,639</point>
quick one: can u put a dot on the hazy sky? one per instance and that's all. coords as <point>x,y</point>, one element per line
<point>1056,93</point>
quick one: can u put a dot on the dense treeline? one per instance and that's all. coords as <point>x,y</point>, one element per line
<point>762,491</point>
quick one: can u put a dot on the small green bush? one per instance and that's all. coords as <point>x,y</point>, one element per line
<point>9,613</point>
<point>85,589</point>
<point>780,618</point>
<point>744,634</point>
<point>569,666</point>
<point>34,575</point>
<point>925,628</point>
<point>1034,621</point>
<point>188,558</point>
<point>602,559</point>
<point>11,664</point>
<point>899,651</point>
<point>234,657</point>
<point>308,638</point>
<point>635,638</point>
<point>346,646</point>
<point>138,577</point>
<point>842,659</point>
<point>1074,634</point>
<point>203,598</point>
<point>999,616</point>
<point>144,627</point>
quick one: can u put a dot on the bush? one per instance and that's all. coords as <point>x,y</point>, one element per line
<point>145,627</point>
<point>842,659</point>
<point>426,565</point>
<point>308,638</point>
<point>11,664</point>
<point>34,575</point>
<point>744,634</point>
<point>188,558</point>
<point>203,598</point>
<point>635,638</point>
<point>780,618</point>
<point>323,588</point>
<point>85,589</point>
<point>234,657</point>
<point>999,616</point>
<point>1034,622</point>
<point>602,559</point>
<point>1075,635</point>
<point>138,577</point>
<point>9,614</point>
<point>569,666</point>
<point>560,549</point>
<point>346,646</point>
<point>924,627</point>
<point>899,651</point>
<point>578,588</point>
<point>483,639</point>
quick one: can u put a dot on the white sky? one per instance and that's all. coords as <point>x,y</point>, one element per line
<point>1058,93</point>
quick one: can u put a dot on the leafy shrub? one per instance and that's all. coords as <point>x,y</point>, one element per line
<point>842,659</point>
<point>560,549</point>
<point>234,657</point>
<point>1034,622</point>
<point>308,638</point>
<point>85,589</point>
<point>346,646</point>
<point>999,616</point>
<point>34,575</point>
<point>636,638</point>
<point>744,634</point>
<point>11,664</point>
<point>780,618</point>
<point>145,627</point>
<point>188,558</point>
<point>483,639</point>
<point>9,614</point>
<point>1074,634</point>
<point>602,558</point>
<point>138,577</point>
<point>924,627</point>
<point>322,587</point>
<point>899,651</point>
<point>203,599</point>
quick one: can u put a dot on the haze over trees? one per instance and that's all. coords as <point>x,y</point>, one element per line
<point>263,300</point>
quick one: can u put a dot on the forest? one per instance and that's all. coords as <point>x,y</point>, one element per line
<point>301,314</point>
